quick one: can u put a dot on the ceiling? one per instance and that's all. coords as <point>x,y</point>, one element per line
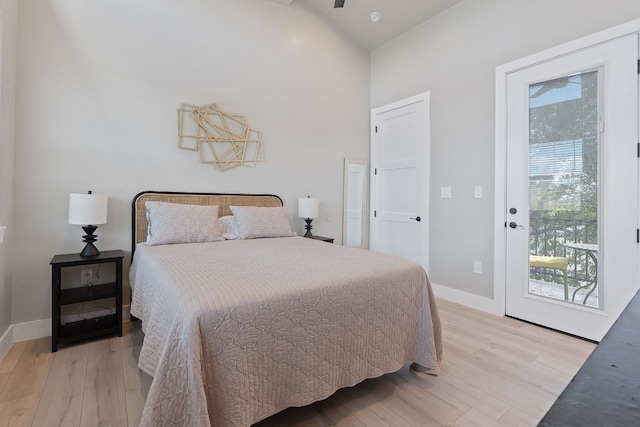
<point>397,16</point>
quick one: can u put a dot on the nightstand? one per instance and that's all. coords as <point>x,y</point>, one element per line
<point>324,239</point>
<point>88,328</point>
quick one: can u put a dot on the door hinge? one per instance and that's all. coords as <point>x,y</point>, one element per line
<point>377,126</point>
<point>637,235</point>
<point>375,171</point>
<point>375,214</point>
<point>638,66</point>
<point>638,150</point>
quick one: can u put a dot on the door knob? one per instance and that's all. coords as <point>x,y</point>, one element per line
<point>417,218</point>
<point>514,225</point>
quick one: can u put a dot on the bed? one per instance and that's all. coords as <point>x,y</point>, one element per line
<point>238,330</point>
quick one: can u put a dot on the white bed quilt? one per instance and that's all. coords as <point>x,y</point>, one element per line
<point>236,331</point>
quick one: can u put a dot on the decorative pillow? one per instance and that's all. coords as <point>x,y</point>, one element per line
<point>229,229</point>
<point>256,222</point>
<point>178,223</point>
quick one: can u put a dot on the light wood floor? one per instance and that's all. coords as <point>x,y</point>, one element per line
<point>496,372</point>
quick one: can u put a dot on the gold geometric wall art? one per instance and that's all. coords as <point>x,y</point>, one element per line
<point>220,138</point>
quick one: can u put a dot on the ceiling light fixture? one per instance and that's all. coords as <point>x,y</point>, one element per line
<point>376,17</point>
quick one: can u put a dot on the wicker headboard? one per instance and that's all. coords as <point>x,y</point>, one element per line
<point>223,201</point>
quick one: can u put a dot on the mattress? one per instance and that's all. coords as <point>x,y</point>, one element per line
<point>238,330</point>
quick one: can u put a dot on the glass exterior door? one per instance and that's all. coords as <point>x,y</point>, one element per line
<point>563,188</point>
<point>572,188</point>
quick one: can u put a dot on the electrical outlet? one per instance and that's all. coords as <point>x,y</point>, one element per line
<point>86,277</point>
<point>477,267</point>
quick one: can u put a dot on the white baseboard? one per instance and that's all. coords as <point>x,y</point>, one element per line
<point>465,298</point>
<point>31,330</point>
<point>23,332</point>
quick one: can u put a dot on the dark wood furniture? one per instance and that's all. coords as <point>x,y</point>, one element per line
<point>324,239</point>
<point>606,390</point>
<point>83,329</point>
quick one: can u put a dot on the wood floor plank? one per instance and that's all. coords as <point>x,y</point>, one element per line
<point>563,368</point>
<point>557,344</point>
<point>8,364</point>
<point>367,409</point>
<point>485,376</point>
<point>337,413</point>
<point>419,391</point>
<point>104,398</point>
<point>474,396</point>
<point>524,374</point>
<point>4,378</point>
<point>30,373</point>
<point>499,343</point>
<point>306,416</point>
<point>517,418</point>
<point>475,418</point>
<point>61,402</point>
<point>130,345</point>
<point>30,363</point>
<point>497,371</point>
<point>454,312</point>
<point>18,412</point>
<point>405,405</point>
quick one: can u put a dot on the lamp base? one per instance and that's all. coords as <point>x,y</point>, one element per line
<point>308,228</point>
<point>89,249</point>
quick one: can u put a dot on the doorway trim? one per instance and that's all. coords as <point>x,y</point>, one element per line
<point>502,73</point>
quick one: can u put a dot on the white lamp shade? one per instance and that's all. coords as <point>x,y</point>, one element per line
<point>87,209</point>
<point>307,208</point>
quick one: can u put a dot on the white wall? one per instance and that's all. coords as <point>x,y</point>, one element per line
<point>454,56</point>
<point>8,19</point>
<point>99,83</point>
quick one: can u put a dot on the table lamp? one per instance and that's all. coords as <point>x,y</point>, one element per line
<point>88,210</point>
<point>308,209</point>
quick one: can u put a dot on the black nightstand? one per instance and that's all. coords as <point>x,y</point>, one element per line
<point>83,329</point>
<point>324,239</point>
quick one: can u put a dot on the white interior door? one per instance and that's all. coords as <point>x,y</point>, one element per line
<point>399,179</point>
<point>572,188</point>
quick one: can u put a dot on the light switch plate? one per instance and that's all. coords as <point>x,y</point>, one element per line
<point>445,192</point>
<point>477,192</point>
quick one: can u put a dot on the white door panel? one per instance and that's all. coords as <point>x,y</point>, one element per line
<point>399,177</point>
<point>557,174</point>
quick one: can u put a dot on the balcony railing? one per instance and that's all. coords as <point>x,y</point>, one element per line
<point>549,236</point>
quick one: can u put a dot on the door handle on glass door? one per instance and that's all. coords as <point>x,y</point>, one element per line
<point>417,218</point>
<point>514,225</point>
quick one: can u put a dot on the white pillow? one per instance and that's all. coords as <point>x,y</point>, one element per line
<point>178,223</point>
<point>229,229</point>
<point>256,222</point>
